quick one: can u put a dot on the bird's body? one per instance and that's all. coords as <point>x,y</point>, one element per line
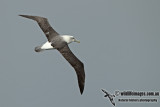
<point>60,42</point>
<point>48,45</point>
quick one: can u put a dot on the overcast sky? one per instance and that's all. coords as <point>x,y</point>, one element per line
<point>119,47</point>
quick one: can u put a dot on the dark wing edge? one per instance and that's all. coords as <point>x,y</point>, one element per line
<point>44,25</point>
<point>76,64</point>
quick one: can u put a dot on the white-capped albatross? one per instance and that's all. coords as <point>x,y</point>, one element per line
<point>60,42</point>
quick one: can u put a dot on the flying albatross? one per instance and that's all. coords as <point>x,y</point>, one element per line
<point>60,42</point>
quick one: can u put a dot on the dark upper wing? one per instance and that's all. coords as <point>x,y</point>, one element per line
<point>44,25</point>
<point>76,64</point>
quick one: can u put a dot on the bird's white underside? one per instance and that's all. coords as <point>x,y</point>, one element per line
<point>48,46</point>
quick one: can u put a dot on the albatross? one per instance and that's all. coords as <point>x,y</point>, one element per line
<point>60,42</point>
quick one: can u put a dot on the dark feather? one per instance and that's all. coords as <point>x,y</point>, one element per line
<point>44,25</point>
<point>76,64</point>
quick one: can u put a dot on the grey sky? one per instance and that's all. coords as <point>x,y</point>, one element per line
<point>119,47</point>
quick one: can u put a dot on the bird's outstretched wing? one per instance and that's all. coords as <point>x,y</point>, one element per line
<point>44,25</point>
<point>76,64</point>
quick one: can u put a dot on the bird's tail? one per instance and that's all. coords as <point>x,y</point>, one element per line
<point>38,49</point>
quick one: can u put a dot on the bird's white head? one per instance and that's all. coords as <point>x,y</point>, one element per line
<point>70,39</point>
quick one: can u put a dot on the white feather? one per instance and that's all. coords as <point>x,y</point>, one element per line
<point>67,38</point>
<point>47,45</point>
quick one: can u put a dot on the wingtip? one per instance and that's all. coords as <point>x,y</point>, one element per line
<point>81,88</point>
<point>81,91</point>
<point>21,15</point>
<point>81,81</point>
<point>28,16</point>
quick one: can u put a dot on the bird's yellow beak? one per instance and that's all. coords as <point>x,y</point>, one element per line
<point>76,41</point>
